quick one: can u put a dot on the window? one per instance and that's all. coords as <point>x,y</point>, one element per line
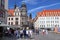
<point>56,18</point>
<point>56,21</point>
<point>40,25</point>
<point>48,25</point>
<point>18,13</point>
<point>11,23</point>
<point>51,21</point>
<point>8,23</point>
<point>58,25</point>
<point>51,25</point>
<point>15,13</point>
<point>16,18</point>
<point>44,25</point>
<point>48,21</point>
<point>16,23</point>
<point>11,18</point>
<point>22,22</point>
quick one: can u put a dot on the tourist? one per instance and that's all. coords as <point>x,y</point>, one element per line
<point>43,31</point>
<point>37,31</point>
<point>21,33</point>
<point>31,33</point>
<point>46,31</point>
<point>27,33</point>
<point>17,34</point>
<point>24,33</point>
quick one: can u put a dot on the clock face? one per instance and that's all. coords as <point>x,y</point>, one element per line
<point>23,13</point>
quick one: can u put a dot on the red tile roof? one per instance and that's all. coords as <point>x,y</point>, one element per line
<point>11,12</point>
<point>49,13</point>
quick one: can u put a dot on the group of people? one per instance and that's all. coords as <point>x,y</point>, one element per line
<point>9,32</point>
<point>23,33</point>
<point>43,31</point>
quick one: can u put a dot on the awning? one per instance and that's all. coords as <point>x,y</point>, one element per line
<point>14,26</point>
<point>4,25</point>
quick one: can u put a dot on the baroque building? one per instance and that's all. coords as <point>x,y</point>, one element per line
<point>14,18</point>
<point>47,19</point>
<point>24,17</point>
<point>18,16</point>
<point>31,26</point>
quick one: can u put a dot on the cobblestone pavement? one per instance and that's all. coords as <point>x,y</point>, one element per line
<point>50,36</point>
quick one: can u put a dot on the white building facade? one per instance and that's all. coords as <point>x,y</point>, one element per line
<point>45,20</point>
<point>19,17</point>
<point>15,19</point>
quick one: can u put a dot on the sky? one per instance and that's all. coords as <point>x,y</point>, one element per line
<point>35,6</point>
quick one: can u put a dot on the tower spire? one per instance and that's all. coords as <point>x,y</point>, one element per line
<point>30,16</point>
<point>15,5</point>
<point>23,4</point>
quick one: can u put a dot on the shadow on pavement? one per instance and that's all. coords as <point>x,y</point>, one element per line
<point>8,38</point>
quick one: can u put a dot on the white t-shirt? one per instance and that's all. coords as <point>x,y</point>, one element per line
<point>27,31</point>
<point>31,32</point>
<point>43,30</point>
<point>21,31</point>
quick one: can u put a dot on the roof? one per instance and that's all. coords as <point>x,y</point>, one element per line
<point>49,13</point>
<point>11,12</point>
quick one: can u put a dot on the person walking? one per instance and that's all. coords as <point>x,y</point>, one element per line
<point>46,31</point>
<point>24,33</point>
<point>27,33</point>
<point>43,32</point>
<point>21,33</point>
<point>31,33</point>
<point>17,34</point>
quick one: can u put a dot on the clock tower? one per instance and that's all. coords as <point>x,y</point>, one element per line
<point>24,17</point>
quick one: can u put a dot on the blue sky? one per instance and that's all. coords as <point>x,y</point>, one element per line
<point>34,6</point>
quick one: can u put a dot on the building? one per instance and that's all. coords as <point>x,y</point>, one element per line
<point>6,4</point>
<point>18,16</point>
<point>3,15</point>
<point>14,21</point>
<point>47,19</point>
<point>3,10</point>
<point>14,18</point>
<point>30,20</point>
<point>11,12</point>
<point>24,17</point>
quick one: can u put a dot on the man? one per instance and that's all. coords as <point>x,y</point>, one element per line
<point>24,32</point>
<point>30,33</point>
<point>21,33</point>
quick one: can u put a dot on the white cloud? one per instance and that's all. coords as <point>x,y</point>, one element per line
<point>32,10</point>
<point>30,1</point>
<point>33,2</point>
